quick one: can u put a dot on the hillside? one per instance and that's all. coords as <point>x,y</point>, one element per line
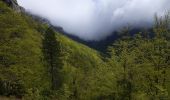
<point>23,68</point>
<point>39,63</point>
<point>20,53</point>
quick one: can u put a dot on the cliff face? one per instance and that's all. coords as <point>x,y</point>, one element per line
<point>13,4</point>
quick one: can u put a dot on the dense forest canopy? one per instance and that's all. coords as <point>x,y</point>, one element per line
<point>39,63</point>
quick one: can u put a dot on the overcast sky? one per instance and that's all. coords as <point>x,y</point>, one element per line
<point>96,19</point>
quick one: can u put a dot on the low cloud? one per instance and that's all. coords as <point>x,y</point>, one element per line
<point>96,19</point>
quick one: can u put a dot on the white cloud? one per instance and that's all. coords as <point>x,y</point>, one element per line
<point>96,19</point>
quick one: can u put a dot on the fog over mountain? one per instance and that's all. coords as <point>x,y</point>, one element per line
<point>96,19</point>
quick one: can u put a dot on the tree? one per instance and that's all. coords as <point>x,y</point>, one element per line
<point>53,54</point>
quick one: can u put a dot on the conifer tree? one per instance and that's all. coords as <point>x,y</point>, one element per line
<point>53,56</point>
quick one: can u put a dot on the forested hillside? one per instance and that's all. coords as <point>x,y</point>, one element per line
<point>38,63</point>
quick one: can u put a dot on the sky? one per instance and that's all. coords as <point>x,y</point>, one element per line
<point>96,19</point>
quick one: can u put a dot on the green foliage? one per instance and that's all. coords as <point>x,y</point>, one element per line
<point>37,63</point>
<point>21,58</point>
<point>53,54</point>
<point>10,84</point>
<point>145,63</point>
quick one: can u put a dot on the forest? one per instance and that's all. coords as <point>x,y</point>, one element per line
<point>39,63</point>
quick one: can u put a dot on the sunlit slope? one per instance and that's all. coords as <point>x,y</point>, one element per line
<point>79,55</point>
<point>22,64</point>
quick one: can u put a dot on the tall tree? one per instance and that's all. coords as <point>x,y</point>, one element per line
<point>52,50</point>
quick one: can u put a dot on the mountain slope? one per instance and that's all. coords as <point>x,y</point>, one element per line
<point>21,62</point>
<point>38,63</point>
<point>23,69</point>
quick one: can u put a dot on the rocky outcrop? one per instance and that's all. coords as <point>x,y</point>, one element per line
<point>13,4</point>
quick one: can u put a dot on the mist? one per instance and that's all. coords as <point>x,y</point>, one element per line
<point>96,19</point>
